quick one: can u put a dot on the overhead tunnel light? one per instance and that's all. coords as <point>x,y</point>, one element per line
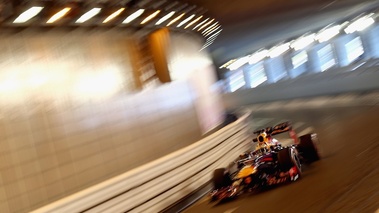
<point>27,15</point>
<point>133,16</point>
<point>193,22</point>
<point>212,30</point>
<point>209,28</point>
<point>201,23</point>
<point>150,17</point>
<point>360,24</point>
<point>113,15</point>
<point>215,34</point>
<point>328,33</point>
<point>208,43</point>
<point>258,56</point>
<point>206,24</point>
<point>227,63</point>
<point>303,42</point>
<point>164,18</point>
<point>175,19</point>
<point>239,63</point>
<point>211,39</point>
<point>58,15</point>
<point>186,20</point>
<point>278,50</point>
<point>88,15</point>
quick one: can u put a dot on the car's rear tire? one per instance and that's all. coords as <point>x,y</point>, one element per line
<point>308,148</point>
<point>221,178</point>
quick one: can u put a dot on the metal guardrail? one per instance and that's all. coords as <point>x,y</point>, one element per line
<point>158,184</point>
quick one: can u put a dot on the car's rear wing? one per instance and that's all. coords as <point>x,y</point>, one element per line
<point>277,129</point>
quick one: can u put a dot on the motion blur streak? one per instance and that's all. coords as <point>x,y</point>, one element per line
<point>30,13</point>
<point>113,15</point>
<point>150,17</point>
<point>198,25</point>
<point>59,15</point>
<point>193,22</point>
<point>133,16</point>
<point>88,15</point>
<point>164,18</point>
<point>15,86</point>
<point>176,19</point>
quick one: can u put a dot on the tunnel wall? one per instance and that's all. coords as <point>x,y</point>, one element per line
<point>70,115</point>
<point>186,62</point>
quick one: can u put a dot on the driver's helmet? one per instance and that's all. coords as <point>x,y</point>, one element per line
<point>263,141</point>
<point>262,138</point>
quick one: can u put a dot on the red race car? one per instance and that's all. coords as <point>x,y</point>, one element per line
<point>269,164</point>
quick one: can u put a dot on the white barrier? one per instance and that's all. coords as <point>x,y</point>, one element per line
<point>160,183</point>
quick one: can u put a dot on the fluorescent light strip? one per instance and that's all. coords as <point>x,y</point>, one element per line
<point>239,63</point>
<point>210,27</point>
<point>218,32</point>
<point>278,50</point>
<point>200,23</point>
<point>186,20</point>
<point>175,19</point>
<point>133,16</point>
<point>360,24</point>
<point>58,15</point>
<point>193,22</point>
<point>212,30</point>
<point>329,33</point>
<point>113,15</point>
<point>227,63</point>
<point>303,42</point>
<point>258,56</point>
<point>212,39</point>
<point>30,13</point>
<point>88,15</point>
<point>150,17</point>
<point>164,18</point>
<point>207,45</point>
<point>203,48</point>
<point>206,24</point>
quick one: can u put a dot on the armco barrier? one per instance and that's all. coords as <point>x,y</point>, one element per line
<point>158,184</point>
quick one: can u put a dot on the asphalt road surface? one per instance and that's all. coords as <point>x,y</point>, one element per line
<point>346,179</point>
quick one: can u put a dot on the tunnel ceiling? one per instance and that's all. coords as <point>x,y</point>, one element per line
<point>230,29</point>
<point>236,17</point>
<point>242,21</point>
<point>134,15</point>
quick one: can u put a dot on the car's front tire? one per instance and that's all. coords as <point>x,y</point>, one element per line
<point>288,158</point>
<point>221,178</point>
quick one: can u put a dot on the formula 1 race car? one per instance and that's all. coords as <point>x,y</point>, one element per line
<point>269,164</point>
